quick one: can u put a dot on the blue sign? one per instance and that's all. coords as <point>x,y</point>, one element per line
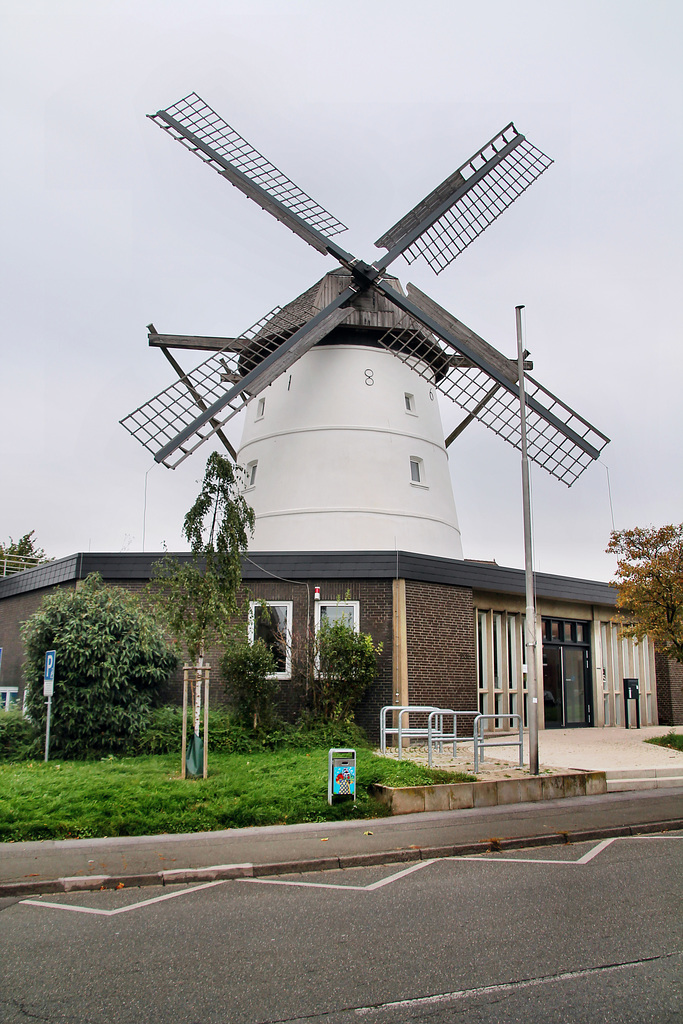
<point>50,659</point>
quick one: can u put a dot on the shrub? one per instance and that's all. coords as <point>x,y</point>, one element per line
<point>249,674</point>
<point>164,734</point>
<point>112,662</point>
<point>347,665</point>
<point>19,738</point>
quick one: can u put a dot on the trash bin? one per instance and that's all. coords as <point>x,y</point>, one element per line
<point>341,773</point>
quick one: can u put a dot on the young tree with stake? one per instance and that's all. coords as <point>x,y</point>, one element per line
<point>198,598</point>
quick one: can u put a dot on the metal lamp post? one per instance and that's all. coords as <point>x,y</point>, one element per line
<point>530,645</point>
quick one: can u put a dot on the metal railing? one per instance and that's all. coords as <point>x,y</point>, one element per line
<point>437,734</point>
<point>10,564</point>
<point>400,730</point>
<point>479,744</point>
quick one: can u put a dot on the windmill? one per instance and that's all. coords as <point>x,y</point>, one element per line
<point>343,445</point>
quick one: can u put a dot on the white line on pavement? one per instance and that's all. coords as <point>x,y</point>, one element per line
<point>123,910</point>
<point>468,993</point>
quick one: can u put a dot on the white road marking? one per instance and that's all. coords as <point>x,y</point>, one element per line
<point>400,874</point>
<point>332,885</point>
<point>122,910</point>
<point>371,887</point>
<point>587,857</point>
<point>310,885</point>
<point>512,986</point>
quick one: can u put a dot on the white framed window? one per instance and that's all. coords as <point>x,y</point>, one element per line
<point>271,621</point>
<point>417,471</point>
<point>260,408</point>
<point>410,403</point>
<point>338,611</point>
<point>9,697</point>
<point>251,474</point>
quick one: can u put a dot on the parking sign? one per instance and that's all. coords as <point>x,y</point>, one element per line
<point>49,673</point>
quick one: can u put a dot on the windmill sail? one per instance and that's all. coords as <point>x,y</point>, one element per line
<point>450,218</point>
<point>200,129</point>
<point>484,384</point>
<point>179,419</point>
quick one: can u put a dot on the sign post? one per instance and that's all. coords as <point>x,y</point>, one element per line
<point>530,629</point>
<point>48,690</point>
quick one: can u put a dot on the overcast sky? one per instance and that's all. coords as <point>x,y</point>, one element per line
<point>108,225</point>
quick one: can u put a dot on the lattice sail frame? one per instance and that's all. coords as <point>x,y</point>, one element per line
<point>498,409</point>
<point>210,128</point>
<point>483,188</point>
<point>163,417</point>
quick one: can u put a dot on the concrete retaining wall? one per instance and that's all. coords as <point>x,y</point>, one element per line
<point>461,795</point>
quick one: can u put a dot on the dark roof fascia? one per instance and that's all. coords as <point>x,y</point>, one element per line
<point>312,565</point>
<point>120,566</point>
<point>484,576</point>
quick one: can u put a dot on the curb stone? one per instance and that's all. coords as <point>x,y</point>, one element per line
<point>225,872</point>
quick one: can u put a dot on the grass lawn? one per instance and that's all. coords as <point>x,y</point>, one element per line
<point>672,739</point>
<point>146,796</point>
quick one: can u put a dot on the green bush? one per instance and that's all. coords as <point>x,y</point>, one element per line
<point>164,734</point>
<point>346,666</point>
<point>112,663</point>
<point>19,738</point>
<point>227,734</point>
<point>249,674</point>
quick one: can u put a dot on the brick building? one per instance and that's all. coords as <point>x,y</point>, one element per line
<point>451,631</point>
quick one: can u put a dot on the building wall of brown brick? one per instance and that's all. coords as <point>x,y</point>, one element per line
<point>441,652</point>
<point>13,612</point>
<point>669,690</point>
<point>440,640</point>
<point>375,597</point>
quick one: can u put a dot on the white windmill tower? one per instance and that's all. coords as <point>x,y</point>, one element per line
<point>343,444</point>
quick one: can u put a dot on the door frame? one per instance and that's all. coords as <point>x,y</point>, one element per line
<point>567,631</point>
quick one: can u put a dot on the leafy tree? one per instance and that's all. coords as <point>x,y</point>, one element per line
<point>17,555</point>
<point>198,598</point>
<point>112,663</point>
<point>650,581</point>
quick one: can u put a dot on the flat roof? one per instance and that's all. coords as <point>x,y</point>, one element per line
<point>321,565</point>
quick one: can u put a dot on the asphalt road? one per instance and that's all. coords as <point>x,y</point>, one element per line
<point>585,932</point>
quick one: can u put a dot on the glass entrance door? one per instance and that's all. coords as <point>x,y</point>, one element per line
<point>553,697</point>
<point>566,674</point>
<point>574,677</point>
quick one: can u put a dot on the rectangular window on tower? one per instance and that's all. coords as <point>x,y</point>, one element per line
<point>417,471</point>
<point>251,473</point>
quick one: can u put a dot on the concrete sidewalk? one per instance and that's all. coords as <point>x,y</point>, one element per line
<point>602,750</point>
<point>49,866</point>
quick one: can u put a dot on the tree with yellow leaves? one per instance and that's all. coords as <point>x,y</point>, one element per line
<point>649,578</point>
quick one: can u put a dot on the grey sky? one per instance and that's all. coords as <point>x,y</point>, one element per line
<point>109,225</point>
